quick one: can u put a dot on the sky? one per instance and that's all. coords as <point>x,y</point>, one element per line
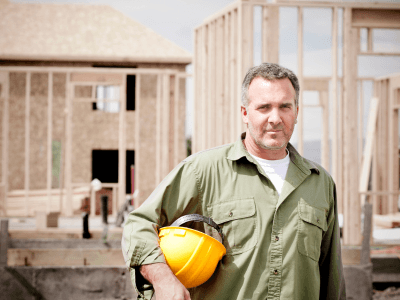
<point>177,19</point>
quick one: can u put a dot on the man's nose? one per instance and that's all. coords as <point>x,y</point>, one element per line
<point>274,117</point>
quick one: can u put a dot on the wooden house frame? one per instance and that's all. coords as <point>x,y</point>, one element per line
<point>223,52</point>
<point>157,122</point>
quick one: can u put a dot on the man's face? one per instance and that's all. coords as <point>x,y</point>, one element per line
<point>271,113</point>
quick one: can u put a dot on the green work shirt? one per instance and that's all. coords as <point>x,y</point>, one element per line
<point>278,247</point>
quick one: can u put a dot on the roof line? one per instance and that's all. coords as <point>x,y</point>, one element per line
<point>181,60</point>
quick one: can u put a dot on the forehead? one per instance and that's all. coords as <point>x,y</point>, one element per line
<point>277,90</point>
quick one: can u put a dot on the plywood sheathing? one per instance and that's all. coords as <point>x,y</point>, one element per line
<point>76,32</point>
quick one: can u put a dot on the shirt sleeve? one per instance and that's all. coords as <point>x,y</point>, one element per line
<point>177,195</point>
<point>330,263</point>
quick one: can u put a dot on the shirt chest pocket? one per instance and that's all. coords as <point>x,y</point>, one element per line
<point>237,218</point>
<point>312,224</point>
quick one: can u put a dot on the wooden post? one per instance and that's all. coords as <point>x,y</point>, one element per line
<point>324,98</point>
<point>3,242</point>
<point>49,138</point>
<point>352,212</point>
<point>393,145</point>
<point>234,97</point>
<point>367,157</point>
<point>27,140</point>
<point>165,130</point>
<point>227,81</point>
<point>158,130</point>
<point>5,138</point>
<point>68,145</point>
<point>219,82</point>
<point>138,150</point>
<point>122,144</point>
<point>335,136</point>
<point>270,34</point>
<point>370,42</point>
<point>205,86</point>
<point>300,144</point>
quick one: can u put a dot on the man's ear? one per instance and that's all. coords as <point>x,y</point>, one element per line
<point>243,112</point>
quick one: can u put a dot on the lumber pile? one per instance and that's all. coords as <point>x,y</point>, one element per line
<point>21,204</point>
<point>387,221</point>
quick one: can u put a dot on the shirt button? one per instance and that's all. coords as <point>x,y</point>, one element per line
<point>231,214</point>
<point>275,272</point>
<point>317,220</point>
<point>277,238</point>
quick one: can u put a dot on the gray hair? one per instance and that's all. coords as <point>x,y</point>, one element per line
<point>268,71</point>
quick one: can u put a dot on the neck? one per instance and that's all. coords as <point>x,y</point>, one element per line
<point>263,153</point>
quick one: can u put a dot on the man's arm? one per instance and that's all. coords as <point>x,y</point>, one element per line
<point>165,283</point>
<point>177,195</point>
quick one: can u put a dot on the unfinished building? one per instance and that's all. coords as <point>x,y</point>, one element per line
<point>85,92</point>
<point>223,52</point>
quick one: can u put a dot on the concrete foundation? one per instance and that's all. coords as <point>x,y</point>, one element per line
<point>65,283</point>
<point>358,281</point>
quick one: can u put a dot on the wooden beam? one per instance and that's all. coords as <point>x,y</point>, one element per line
<point>352,212</point>
<point>393,146</point>
<point>49,137</point>
<point>219,82</point>
<point>205,86</point>
<point>300,143</point>
<point>370,40</point>
<point>65,257</point>
<point>68,145</point>
<point>234,83</point>
<point>5,142</point>
<point>110,79</point>
<point>335,108</point>
<point>138,150</point>
<point>158,130</point>
<point>227,80</point>
<point>27,139</point>
<point>368,148</point>
<point>376,18</point>
<point>315,84</point>
<point>324,98</point>
<point>270,34</point>
<point>122,144</point>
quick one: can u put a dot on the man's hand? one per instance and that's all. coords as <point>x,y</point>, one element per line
<point>165,283</point>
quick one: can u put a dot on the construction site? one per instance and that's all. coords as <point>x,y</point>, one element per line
<point>92,118</point>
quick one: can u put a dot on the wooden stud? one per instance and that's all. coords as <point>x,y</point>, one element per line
<point>370,40</point>
<point>324,97</point>
<point>176,158</point>
<point>227,80</point>
<point>68,145</point>
<point>393,146</point>
<point>196,88</point>
<point>235,97</point>
<point>334,79</point>
<point>158,130</point>
<point>376,18</point>
<point>49,138</point>
<point>122,144</point>
<point>5,133</point>
<point>219,82</point>
<point>138,150</point>
<point>27,139</point>
<point>300,143</point>
<point>352,212</point>
<point>270,34</point>
<point>165,129</point>
<point>205,86</point>
<point>368,149</point>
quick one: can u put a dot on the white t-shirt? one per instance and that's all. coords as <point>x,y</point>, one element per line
<point>275,170</point>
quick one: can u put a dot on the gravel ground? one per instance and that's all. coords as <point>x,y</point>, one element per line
<point>391,293</point>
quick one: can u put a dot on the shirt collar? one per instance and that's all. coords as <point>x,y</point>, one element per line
<point>238,151</point>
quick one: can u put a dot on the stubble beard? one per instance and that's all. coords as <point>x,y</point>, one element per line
<point>259,141</point>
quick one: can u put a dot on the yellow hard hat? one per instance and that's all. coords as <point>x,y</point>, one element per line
<point>192,255</point>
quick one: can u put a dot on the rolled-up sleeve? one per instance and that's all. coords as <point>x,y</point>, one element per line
<point>330,263</point>
<point>178,194</point>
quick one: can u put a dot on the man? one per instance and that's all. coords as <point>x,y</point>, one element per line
<point>276,209</point>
